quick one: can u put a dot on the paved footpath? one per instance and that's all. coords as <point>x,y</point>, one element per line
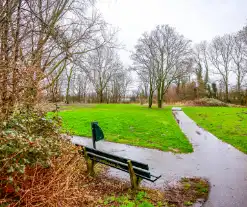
<point>223,165</point>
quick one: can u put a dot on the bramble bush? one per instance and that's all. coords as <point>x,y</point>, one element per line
<point>27,139</point>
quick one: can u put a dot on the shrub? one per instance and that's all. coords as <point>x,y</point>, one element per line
<point>27,139</point>
<point>208,102</point>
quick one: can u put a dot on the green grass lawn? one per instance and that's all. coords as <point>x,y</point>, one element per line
<point>128,123</point>
<point>228,124</point>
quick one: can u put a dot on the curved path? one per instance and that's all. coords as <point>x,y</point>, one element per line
<point>223,165</point>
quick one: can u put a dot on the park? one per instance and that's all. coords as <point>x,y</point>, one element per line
<point>123,103</point>
<point>137,125</point>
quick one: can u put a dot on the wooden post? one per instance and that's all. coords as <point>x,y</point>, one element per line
<point>135,181</point>
<point>90,163</point>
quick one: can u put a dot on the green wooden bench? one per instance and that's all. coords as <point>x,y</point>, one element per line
<point>137,170</point>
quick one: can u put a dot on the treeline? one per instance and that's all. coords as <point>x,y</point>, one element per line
<point>97,77</point>
<point>172,69</point>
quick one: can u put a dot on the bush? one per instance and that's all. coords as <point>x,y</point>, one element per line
<point>208,102</point>
<point>27,139</point>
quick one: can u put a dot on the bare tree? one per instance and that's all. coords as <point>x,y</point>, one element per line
<point>118,86</point>
<point>82,86</point>
<point>239,61</point>
<point>201,60</point>
<point>221,50</point>
<point>101,65</point>
<point>163,51</point>
<point>201,68</point>
<point>40,39</point>
<point>145,64</point>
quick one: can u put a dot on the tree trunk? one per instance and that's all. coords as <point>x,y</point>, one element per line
<point>150,99</point>
<point>178,88</point>
<point>101,96</point>
<point>4,50</point>
<point>142,97</point>
<point>160,95</point>
<point>227,93</point>
<point>68,86</point>
<point>79,95</point>
<point>226,87</point>
<point>239,85</point>
<point>16,55</point>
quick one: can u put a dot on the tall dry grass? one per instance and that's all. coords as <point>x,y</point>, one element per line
<point>64,184</point>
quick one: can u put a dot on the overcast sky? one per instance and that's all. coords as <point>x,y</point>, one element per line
<point>196,19</point>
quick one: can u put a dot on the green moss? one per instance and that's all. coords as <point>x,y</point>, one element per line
<point>140,200</point>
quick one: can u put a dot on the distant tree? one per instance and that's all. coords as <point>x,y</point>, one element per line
<point>118,85</point>
<point>159,56</point>
<point>221,49</point>
<point>239,57</point>
<point>145,65</point>
<point>201,68</point>
<point>101,66</point>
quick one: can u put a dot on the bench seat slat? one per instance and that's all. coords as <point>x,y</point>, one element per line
<point>118,158</point>
<point>119,165</point>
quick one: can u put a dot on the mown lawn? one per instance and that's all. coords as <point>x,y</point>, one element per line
<point>126,123</point>
<point>228,124</point>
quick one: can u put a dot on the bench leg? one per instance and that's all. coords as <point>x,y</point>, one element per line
<point>90,163</point>
<point>91,167</point>
<point>135,181</point>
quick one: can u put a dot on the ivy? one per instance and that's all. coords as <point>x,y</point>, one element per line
<point>28,138</point>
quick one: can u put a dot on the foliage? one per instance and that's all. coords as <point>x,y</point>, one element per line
<point>130,124</point>
<point>214,89</point>
<point>208,102</point>
<point>27,139</point>
<point>228,124</point>
<point>65,183</point>
<point>141,200</point>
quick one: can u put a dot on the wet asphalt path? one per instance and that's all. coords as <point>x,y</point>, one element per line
<point>223,165</point>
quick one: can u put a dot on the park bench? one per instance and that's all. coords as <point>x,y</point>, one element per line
<point>137,170</point>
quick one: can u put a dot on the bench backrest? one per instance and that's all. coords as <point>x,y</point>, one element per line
<point>140,169</point>
<point>118,158</point>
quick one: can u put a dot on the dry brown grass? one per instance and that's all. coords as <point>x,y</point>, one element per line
<point>63,184</point>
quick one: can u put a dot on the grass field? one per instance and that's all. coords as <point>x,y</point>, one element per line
<point>228,124</point>
<point>126,123</point>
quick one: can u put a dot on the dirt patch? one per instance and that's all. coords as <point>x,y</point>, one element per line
<point>187,191</point>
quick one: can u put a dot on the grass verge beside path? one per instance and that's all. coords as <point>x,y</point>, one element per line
<point>186,192</point>
<point>130,124</point>
<point>226,123</point>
